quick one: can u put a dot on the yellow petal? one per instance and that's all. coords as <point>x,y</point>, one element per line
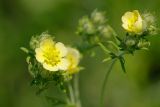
<point>62,49</point>
<point>132,22</point>
<point>63,65</point>
<point>46,43</point>
<point>73,56</point>
<point>49,67</point>
<point>39,55</point>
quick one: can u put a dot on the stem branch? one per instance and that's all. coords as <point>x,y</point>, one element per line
<point>76,87</point>
<point>105,81</point>
<point>71,93</point>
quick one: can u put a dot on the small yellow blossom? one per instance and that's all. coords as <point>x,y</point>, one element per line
<point>132,22</point>
<point>52,55</point>
<point>73,56</point>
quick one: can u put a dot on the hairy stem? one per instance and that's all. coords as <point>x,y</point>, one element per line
<point>105,81</point>
<point>76,87</point>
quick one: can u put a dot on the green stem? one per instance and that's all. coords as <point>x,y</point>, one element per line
<point>104,48</point>
<point>113,44</point>
<point>71,93</point>
<point>114,34</point>
<point>105,81</point>
<point>76,87</point>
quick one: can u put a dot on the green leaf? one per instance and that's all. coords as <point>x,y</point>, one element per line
<point>122,62</point>
<point>24,49</point>
<point>33,67</point>
<point>107,59</point>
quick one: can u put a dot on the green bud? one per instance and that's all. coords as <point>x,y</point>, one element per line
<point>98,17</point>
<point>86,26</point>
<point>143,43</point>
<point>106,31</point>
<point>45,35</point>
<point>148,19</point>
<point>149,23</point>
<point>130,42</point>
<point>152,30</point>
<point>34,42</point>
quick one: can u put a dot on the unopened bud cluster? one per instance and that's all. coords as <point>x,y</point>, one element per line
<point>94,29</point>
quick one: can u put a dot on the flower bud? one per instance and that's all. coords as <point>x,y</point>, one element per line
<point>130,42</point>
<point>152,30</point>
<point>143,43</point>
<point>148,20</point>
<point>34,42</point>
<point>106,31</point>
<point>85,25</point>
<point>98,17</point>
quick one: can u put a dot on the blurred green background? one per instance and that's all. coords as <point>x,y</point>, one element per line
<point>20,19</point>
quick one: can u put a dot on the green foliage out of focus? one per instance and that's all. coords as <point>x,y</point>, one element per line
<point>20,19</point>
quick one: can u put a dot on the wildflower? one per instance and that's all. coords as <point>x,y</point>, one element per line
<point>52,55</point>
<point>73,56</point>
<point>132,22</point>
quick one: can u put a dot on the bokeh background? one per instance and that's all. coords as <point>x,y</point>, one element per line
<point>20,19</point>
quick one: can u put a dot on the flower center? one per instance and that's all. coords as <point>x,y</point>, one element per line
<point>52,56</point>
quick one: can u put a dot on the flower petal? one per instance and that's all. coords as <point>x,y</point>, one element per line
<point>39,55</point>
<point>132,22</point>
<point>49,67</point>
<point>63,65</point>
<point>73,56</point>
<point>62,49</point>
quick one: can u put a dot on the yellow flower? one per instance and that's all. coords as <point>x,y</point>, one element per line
<point>132,22</point>
<point>73,56</point>
<point>52,55</point>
